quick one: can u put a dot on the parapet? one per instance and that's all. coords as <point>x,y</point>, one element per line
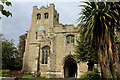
<point>52,5</point>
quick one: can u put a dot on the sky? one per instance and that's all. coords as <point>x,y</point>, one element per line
<point>19,23</point>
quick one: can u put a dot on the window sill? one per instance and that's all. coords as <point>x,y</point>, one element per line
<point>44,64</point>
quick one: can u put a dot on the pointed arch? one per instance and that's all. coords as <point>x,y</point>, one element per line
<point>45,54</point>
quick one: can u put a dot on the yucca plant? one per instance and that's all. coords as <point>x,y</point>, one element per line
<point>100,21</point>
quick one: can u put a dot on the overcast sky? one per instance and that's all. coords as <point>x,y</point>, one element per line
<point>19,23</point>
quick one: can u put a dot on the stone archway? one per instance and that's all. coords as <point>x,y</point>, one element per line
<point>70,68</point>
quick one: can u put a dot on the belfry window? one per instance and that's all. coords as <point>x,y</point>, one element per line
<point>70,40</point>
<point>45,54</point>
<point>38,16</point>
<point>46,15</point>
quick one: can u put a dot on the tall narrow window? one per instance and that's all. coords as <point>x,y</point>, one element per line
<point>46,57</point>
<point>38,16</point>
<point>46,15</point>
<point>44,33</point>
<point>72,40</point>
<point>49,51</point>
<point>119,50</point>
<point>43,57</point>
<point>68,39</point>
<point>45,54</point>
<point>57,19</point>
<point>36,35</point>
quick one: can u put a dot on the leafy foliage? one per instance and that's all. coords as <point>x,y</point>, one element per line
<point>3,11</point>
<point>84,51</point>
<point>9,52</point>
<point>90,75</point>
<point>21,46</point>
<point>101,19</point>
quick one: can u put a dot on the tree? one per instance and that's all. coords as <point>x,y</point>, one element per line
<point>9,52</point>
<point>101,19</point>
<point>84,52</point>
<point>2,10</point>
<point>21,46</point>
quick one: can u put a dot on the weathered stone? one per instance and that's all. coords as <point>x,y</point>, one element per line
<point>54,39</point>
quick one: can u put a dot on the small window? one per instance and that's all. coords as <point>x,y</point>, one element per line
<point>46,15</point>
<point>54,16</point>
<point>36,35</point>
<point>44,33</point>
<point>38,16</point>
<point>119,50</point>
<point>70,39</point>
<point>49,51</point>
<point>57,19</point>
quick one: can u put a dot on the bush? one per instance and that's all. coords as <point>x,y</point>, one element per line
<point>4,73</point>
<point>90,75</point>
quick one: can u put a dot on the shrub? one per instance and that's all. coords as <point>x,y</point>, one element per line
<point>4,73</point>
<point>90,75</point>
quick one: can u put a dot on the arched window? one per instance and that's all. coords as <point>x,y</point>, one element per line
<point>45,54</point>
<point>38,16</point>
<point>46,15</point>
<point>70,39</point>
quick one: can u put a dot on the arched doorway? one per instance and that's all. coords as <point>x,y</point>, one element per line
<point>70,68</point>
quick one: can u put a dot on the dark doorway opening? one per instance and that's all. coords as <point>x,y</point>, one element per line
<point>70,68</point>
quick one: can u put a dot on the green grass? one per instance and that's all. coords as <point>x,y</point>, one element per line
<point>30,76</point>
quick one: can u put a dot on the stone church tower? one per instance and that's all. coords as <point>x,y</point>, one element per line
<point>50,46</point>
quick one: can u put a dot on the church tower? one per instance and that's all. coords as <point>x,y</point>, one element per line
<point>42,23</point>
<point>46,17</point>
